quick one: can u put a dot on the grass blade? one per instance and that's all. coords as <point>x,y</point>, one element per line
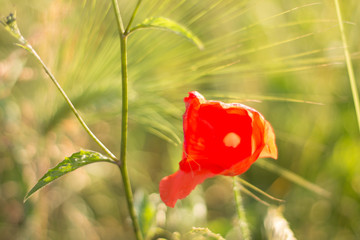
<point>348,63</point>
<point>162,23</point>
<point>293,177</point>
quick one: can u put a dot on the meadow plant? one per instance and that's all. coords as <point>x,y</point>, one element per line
<point>219,139</point>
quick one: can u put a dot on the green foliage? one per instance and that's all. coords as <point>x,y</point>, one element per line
<point>276,56</point>
<point>162,23</point>
<point>146,212</point>
<point>69,164</point>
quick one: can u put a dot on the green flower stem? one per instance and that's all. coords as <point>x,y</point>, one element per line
<point>124,128</point>
<point>240,211</point>
<point>124,122</point>
<point>348,63</point>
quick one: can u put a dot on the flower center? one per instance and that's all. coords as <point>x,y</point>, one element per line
<point>232,140</point>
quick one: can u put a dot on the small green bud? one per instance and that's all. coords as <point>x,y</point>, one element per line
<point>10,19</point>
<point>11,26</point>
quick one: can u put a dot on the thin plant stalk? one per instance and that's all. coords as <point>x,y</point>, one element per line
<point>71,105</point>
<point>12,28</point>
<point>293,177</point>
<point>244,227</point>
<point>249,193</point>
<point>259,190</point>
<point>133,16</point>
<point>124,128</point>
<point>348,63</point>
<point>124,120</point>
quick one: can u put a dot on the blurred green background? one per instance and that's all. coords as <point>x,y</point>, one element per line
<point>284,58</point>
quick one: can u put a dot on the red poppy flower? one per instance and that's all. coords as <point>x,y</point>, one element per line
<point>219,138</point>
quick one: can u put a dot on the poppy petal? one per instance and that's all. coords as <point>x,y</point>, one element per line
<point>216,135</point>
<point>219,138</point>
<point>180,184</point>
<point>239,168</point>
<point>270,149</point>
<point>263,144</point>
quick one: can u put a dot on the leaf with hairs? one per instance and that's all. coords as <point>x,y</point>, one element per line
<point>69,164</point>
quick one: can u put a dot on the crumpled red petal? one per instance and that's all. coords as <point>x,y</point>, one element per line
<point>180,184</point>
<point>208,127</point>
<point>270,149</point>
<point>263,145</point>
<point>219,138</point>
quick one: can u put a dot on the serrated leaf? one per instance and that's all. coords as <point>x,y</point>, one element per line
<point>166,24</point>
<point>69,164</point>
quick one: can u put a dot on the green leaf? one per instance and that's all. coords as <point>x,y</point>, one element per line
<point>146,212</point>
<point>69,164</point>
<point>166,24</point>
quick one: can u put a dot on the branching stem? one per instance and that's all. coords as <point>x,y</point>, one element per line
<point>132,17</point>
<point>124,119</point>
